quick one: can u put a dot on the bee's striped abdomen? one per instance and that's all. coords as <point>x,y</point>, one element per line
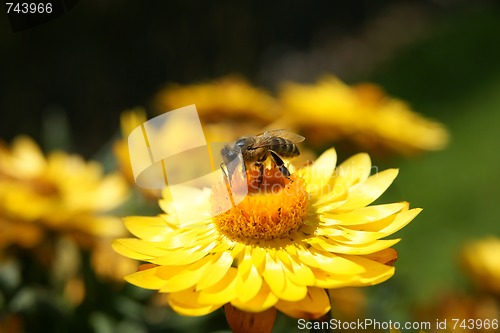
<point>284,147</point>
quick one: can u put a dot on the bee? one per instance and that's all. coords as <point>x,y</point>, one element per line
<point>255,150</point>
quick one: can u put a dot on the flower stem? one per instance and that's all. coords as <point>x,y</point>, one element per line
<point>249,322</point>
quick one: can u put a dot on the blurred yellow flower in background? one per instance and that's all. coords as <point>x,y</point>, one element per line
<point>481,262</point>
<point>58,195</point>
<point>61,193</point>
<point>279,248</point>
<point>332,111</point>
<point>228,107</point>
<point>229,96</point>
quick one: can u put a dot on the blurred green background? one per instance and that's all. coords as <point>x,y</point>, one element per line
<point>453,74</point>
<point>442,57</point>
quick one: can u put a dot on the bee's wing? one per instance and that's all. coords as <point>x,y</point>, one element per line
<point>283,133</point>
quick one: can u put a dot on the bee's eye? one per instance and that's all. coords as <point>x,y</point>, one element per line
<point>240,143</point>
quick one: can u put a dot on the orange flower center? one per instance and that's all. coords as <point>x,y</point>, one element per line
<point>271,210</point>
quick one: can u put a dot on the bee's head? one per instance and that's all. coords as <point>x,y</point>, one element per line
<point>242,142</point>
<point>230,152</point>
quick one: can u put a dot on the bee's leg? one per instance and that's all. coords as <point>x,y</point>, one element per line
<point>261,172</point>
<point>280,164</point>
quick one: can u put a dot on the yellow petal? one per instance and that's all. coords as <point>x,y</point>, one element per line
<point>392,224</point>
<point>274,276</point>
<point>355,169</point>
<point>331,263</point>
<point>375,272</point>
<point>180,238</point>
<point>360,236</point>
<point>327,207</point>
<point>152,229</point>
<point>216,270</point>
<point>319,173</point>
<point>194,311</point>
<point>184,257</point>
<point>245,263</point>
<point>288,287</point>
<point>138,249</point>
<point>284,258</point>
<point>302,274</point>
<point>335,192</point>
<point>352,248</point>
<point>258,257</point>
<point>386,257</point>
<point>364,233</point>
<point>182,277</point>
<point>237,248</point>
<point>327,231</point>
<point>330,280</point>
<point>365,193</point>
<point>223,291</point>
<point>250,282</point>
<point>146,279</point>
<point>362,215</point>
<point>261,302</point>
<point>293,291</point>
<point>314,305</point>
<point>186,303</point>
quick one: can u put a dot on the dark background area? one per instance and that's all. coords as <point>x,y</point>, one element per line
<point>105,56</point>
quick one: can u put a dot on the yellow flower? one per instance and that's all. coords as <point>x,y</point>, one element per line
<point>331,110</point>
<point>61,193</point>
<point>281,247</point>
<point>227,97</point>
<point>229,107</point>
<point>480,259</point>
